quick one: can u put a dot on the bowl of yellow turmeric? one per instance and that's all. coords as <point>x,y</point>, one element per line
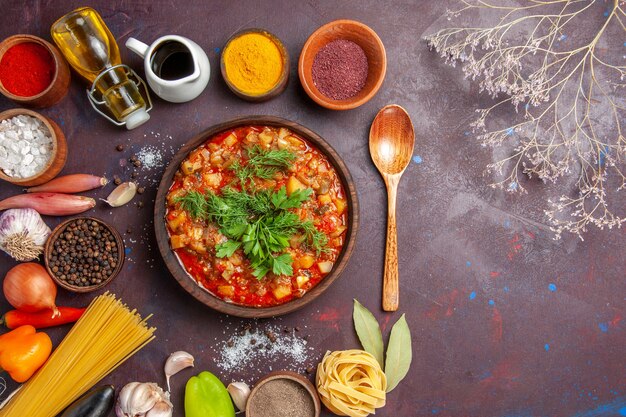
<point>255,65</point>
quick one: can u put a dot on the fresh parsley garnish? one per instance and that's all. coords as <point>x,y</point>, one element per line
<point>258,222</point>
<point>262,163</point>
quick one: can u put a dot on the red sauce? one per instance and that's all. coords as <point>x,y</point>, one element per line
<point>194,241</point>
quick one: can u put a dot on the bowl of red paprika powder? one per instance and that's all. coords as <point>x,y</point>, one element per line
<point>342,64</point>
<point>32,71</point>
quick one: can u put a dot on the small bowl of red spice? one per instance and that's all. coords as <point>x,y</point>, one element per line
<point>32,71</point>
<point>342,65</point>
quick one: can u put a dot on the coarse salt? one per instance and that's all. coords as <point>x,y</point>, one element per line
<point>25,146</point>
<point>252,347</point>
<point>150,157</point>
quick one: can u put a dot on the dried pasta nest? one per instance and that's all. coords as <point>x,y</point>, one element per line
<point>351,383</point>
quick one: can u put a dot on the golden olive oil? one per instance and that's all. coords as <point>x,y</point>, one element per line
<point>91,49</point>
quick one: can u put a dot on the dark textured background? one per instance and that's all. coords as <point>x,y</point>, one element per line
<point>491,336</point>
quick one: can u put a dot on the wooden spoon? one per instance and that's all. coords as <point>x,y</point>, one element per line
<point>391,147</point>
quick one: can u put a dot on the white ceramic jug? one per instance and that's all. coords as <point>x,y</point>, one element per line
<point>177,69</point>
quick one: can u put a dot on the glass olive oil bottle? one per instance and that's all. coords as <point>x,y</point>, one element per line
<point>90,48</point>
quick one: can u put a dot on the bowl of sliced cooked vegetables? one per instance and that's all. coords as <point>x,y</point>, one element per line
<point>256,217</point>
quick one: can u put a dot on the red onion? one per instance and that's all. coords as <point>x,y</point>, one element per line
<point>51,204</point>
<point>74,183</point>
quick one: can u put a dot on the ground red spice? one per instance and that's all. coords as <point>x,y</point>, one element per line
<point>340,69</point>
<point>26,69</point>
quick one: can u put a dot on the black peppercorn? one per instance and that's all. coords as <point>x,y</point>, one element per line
<point>81,253</point>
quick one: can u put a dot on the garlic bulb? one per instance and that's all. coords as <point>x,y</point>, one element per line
<point>23,234</point>
<point>176,362</point>
<point>239,392</point>
<point>143,399</point>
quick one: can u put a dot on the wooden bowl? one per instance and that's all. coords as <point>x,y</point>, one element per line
<point>201,294</point>
<point>288,375</point>
<point>60,82</point>
<point>353,31</point>
<point>74,288</point>
<point>58,154</point>
<point>284,76</point>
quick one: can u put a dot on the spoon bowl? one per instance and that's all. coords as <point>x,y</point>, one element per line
<point>391,146</point>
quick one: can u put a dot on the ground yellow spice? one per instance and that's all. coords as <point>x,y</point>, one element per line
<point>253,63</point>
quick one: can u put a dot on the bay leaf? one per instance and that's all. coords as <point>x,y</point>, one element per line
<point>368,330</point>
<point>399,353</point>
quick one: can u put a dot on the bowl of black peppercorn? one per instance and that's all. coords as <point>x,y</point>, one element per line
<point>84,254</point>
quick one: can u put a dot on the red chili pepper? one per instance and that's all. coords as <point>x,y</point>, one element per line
<point>39,320</point>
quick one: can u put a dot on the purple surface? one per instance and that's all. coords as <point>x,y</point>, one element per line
<point>505,320</point>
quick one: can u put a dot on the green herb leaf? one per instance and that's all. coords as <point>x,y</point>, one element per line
<point>262,163</point>
<point>226,249</point>
<point>194,203</point>
<point>281,265</point>
<point>368,330</point>
<point>399,353</point>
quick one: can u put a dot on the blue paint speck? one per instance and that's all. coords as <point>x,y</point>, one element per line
<point>562,37</point>
<point>510,131</point>
<point>546,347</point>
<point>434,411</point>
<point>127,251</point>
<point>622,411</point>
<point>513,185</point>
<point>217,50</point>
<point>552,287</point>
<point>602,156</point>
<point>526,106</point>
<point>606,14</point>
<point>468,263</point>
<point>466,133</point>
<point>491,302</point>
<point>604,327</point>
<point>624,45</point>
<point>472,295</point>
<point>507,223</point>
<point>506,289</point>
<point>417,159</point>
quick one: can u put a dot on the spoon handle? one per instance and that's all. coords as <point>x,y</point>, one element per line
<point>390,280</point>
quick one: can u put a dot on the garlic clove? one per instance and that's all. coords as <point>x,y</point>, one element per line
<point>123,403</point>
<point>239,392</point>
<point>122,194</point>
<point>175,363</point>
<point>161,409</point>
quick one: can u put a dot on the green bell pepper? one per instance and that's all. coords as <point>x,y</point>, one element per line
<point>206,396</point>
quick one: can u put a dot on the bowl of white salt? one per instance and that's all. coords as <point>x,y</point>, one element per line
<point>32,148</point>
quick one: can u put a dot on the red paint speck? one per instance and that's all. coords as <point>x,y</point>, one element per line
<point>329,315</point>
<point>615,320</point>
<point>444,306</point>
<point>494,274</point>
<point>514,247</point>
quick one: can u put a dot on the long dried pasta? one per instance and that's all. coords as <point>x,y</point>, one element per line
<point>106,335</point>
<point>351,383</point>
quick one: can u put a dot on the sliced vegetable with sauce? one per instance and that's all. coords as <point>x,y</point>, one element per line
<point>257,215</point>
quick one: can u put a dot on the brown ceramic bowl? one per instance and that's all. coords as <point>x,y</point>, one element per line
<point>75,288</point>
<point>60,81</point>
<point>284,375</point>
<point>58,154</point>
<point>203,295</point>
<point>358,33</point>
<point>284,76</point>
